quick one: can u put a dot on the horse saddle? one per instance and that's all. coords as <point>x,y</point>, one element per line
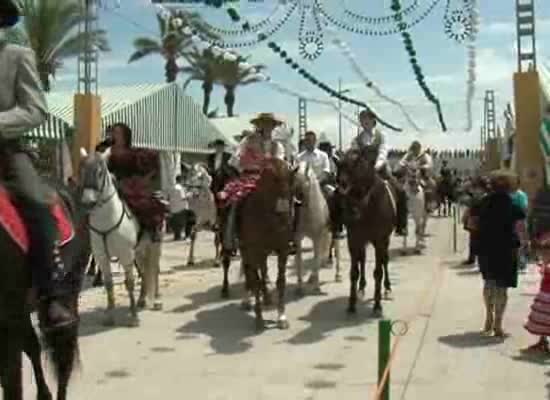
<point>13,223</point>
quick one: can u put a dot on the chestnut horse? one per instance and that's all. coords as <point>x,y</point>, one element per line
<point>370,217</point>
<point>265,227</point>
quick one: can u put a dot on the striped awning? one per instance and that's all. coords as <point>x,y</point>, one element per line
<point>161,116</point>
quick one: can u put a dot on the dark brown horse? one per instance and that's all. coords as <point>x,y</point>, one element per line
<point>370,217</point>
<point>265,227</point>
<point>16,331</point>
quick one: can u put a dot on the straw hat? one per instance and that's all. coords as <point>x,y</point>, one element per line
<point>266,117</point>
<point>9,14</point>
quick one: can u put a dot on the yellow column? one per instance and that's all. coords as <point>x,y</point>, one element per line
<point>529,160</point>
<point>87,118</point>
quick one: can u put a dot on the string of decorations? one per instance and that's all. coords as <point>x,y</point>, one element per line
<point>332,92</point>
<point>458,22</point>
<point>471,55</point>
<point>409,47</point>
<point>381,20</point>
<point>346,51</point>
<point>382,32</point>
<point>311,43</point>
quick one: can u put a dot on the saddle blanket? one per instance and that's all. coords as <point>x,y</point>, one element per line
<point>13,223</point>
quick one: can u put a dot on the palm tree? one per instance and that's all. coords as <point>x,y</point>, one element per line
<point>50,28</point>
<point>202,67</point>
<point>172,43</point>
<point>235,71</point>
<point>212,67</point>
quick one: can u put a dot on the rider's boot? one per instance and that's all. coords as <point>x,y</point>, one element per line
<point>47,269</point>
<point>230,230</point>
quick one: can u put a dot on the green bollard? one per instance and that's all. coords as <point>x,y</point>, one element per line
<point>384,350</point>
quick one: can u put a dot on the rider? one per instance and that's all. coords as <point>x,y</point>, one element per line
<point>445,171</point>
<point>317,159</point>
<point>249,160</point>
<point>138,174</point>
<point>23,108</point>
<point>371,136</point>
<point>422,160</point>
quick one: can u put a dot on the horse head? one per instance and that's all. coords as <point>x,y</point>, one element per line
<point>357,168</point>
<point>94,178</point>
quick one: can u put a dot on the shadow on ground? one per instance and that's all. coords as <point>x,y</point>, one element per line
<point>328,316</point>
<point>469,340</point>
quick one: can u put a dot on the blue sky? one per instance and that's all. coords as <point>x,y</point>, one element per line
<point>383,59</point>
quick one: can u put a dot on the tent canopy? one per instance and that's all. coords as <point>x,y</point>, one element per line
<point>161,117</point>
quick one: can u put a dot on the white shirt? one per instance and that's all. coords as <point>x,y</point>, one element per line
<point>367,138</point>
<point>318,160</point>
<point>178,199</point>
<point>423,161</point>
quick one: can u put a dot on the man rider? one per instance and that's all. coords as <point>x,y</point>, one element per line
<point>23,108</point>
<point>422,159</point>
<point>371,136</point>
<point>318,160</point>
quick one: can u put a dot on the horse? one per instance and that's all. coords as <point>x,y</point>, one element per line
<point>265,227</point>
<point>203,205</point>
<point>17,333</point>
<point>313,222</point>
<point>115,234</point>
<point>370,217</point>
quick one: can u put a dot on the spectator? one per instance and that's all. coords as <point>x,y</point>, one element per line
<point>178,207</point>
<point>520,199</point>
<point>498,249</point>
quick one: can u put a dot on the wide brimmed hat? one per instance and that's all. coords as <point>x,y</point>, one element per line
<point>217,142</point>
<point>266,117</point>
<point>9,14</point>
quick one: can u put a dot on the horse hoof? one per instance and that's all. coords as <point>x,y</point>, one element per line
<point>313,280</point>
<point>97,283</point>
<point>109,321</point>
<point>141,304</point>
<point>45,395</point>
<point>225,293</point>
<point>246,306</point>
<point>283,324</point>
<point>134,322</point>
<point>338,278</point>
<point>190,263</point>
<point>317,289</point>
<point>268,301</point>
<point>361,294</point>
<point>299,292</point>
<point>260,325</point>
<point>217,264</point>
<point>157,305</point>
<point>351,310</point>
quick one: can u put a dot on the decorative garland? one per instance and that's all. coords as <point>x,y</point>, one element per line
<point>471,54</point>
<point>396,7</point>
<point>385,19</point>
<point>333,93</point>
<point>458,24</point>
<point>346,51</point>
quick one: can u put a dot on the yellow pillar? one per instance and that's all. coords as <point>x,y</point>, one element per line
<point>529,160</point>
<point>87,119</point>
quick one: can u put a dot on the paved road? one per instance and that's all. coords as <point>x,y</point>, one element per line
<point>201,347</point>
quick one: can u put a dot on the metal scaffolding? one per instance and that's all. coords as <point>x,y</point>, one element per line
<point>302,117</point>
<point>89,53</point>
<point>526,38</point>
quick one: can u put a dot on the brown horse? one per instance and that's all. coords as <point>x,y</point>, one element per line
<point>16,331</point>
<point>265,226</point>
<point>370,217</point>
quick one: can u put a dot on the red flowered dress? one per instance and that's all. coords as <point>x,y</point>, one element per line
<point>252,161</point>
<point>538,322</point>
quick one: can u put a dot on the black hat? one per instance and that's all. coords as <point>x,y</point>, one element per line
<point>9,14</point>
<point>217,142</point>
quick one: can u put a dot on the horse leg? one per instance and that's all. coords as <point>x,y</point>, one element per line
<point>153,269</point>
<point>226,263</point>
<point>267,300</point>
<point>257,287</point>
<point>378,275</point>
<point>336,244</point>
<point>385,263</point>
<point>282,322</point>
<point>363,275</point>
<point>354,277</point>
<point>33,351</point>
<point>298,263</point>
<point>11,368</point>
<point>219,252</point>
<point>92,268</point>
<point>130,283</point>
<point>191,257</point>
<point>331,252</point>
<point>105,266</point>
<point>248,287</point>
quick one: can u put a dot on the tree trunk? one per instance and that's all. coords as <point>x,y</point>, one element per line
<point>171,70</point>
<point>207,88</point>
<point>229,100</point>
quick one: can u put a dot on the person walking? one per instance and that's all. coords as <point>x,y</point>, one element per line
<point>498,249</point>
<point>178,206</point>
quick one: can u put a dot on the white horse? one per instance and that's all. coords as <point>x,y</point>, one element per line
<point>202,203</point>
<point>313,223</point>
<point>114,233</point>
<point>416,204</point>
